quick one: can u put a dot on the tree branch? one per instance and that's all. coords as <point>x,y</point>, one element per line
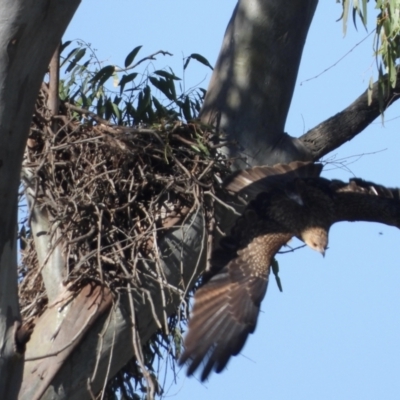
<point>252,84</point>
<point>345,125</point>
<point>54,81</point>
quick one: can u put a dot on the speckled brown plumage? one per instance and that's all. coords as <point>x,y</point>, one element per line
<point>284,201</point>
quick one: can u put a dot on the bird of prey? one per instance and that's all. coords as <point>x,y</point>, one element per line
<point>283,201</point>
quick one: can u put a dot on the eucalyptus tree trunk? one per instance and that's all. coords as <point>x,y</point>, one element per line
<point>29,32</point>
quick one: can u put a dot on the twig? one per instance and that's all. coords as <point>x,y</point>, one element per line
<point>292,249</point>
<point>137,346</point>
<point>84,111</point>
<point>211,194</point>
<point>108,364</point>
<point>148,58</point>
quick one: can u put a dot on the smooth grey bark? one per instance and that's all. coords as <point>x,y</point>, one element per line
<point>52,264</point>
<point>29,33</point>
<point>252,84</point>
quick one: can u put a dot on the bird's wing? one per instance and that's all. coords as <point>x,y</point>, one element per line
<point>250,182</point>
<point>226,308</point>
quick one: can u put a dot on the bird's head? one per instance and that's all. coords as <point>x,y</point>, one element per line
<point>316,238</point>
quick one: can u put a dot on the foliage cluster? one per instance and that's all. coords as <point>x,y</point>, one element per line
<point>135,96</point>
<point>387,38</point>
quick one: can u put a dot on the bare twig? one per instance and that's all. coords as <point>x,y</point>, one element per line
<point>211,194</point>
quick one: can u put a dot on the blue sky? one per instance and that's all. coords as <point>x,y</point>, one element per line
<point>334,332</point>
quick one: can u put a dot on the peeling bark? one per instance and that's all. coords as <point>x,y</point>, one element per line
<point>108,344</point>
<point>57,334</point>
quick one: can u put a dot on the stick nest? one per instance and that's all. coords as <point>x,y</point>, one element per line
<point>111,191</point>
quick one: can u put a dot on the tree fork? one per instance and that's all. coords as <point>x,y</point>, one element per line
<point>345,125</point>
<point>253,81</point>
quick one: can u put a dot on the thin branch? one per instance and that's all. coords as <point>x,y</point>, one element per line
<point>100,347</point>
<point>84,111</point>
<point>344,126</point>
<point>211,194</point>
<point>339,60</point>
<point>108,364</point>
<point>53,101</point>
<point>292,249</point>
<point>137,346</point>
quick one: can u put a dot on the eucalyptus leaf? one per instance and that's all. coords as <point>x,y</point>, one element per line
<point>201,59</point>
<point>131,56</point>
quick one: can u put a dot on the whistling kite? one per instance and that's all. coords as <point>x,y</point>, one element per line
<point>283,201</point>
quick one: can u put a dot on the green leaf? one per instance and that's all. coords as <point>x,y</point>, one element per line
<point>131,110</point>
<point>109,109</point>
<point>346,5</point>
<point>100,107</point>
<point>117,111</point>
<point>186,63</point>
<point>163,86</point>
<point>126,79</point>
<point>200,59</point>
<point>78,55</point>
<point>101,76</point>
<point>161,110</point>
<point>86,102</point>
<point>364,12</point>
<point>202,146</point>
<point>167,75</point>
<point>144,101</point>
<point>171,88</point>
<point>186,109</point>
<point>117,100</point>
<point>275,270</point>
<point>131,56</point>
<point>65,45</point>
<point>63,90</point>
<point>70,55</point>
<point>370,90</point>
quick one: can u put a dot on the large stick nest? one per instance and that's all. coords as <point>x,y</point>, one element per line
<point>112,192</point>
